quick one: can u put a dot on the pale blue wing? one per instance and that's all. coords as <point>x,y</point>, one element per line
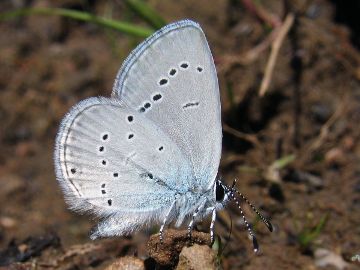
<point>171,79</point>
<point>110,160</point>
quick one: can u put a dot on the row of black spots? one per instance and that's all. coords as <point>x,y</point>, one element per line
<point>185,65</point>
<point>161,148</point>
<point>164,81</point>
<point>104,137</point>
<point>157,97</point>
<point>172,72</point>
<point>145,107</point>
<point>130,136</point>
<point>103,191</point>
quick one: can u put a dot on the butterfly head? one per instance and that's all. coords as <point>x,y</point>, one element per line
<point>221,193</point>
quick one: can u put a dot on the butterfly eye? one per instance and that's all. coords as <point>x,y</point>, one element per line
<point>219,192</point>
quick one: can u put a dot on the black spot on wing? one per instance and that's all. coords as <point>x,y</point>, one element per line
<point>191,104</point>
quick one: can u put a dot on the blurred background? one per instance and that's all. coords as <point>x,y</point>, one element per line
<point>289,74</point>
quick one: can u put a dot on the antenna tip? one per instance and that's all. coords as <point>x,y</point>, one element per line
<point>255,244</point>
<point>270,226</point>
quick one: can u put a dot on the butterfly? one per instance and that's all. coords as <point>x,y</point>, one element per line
<point>149,154</point>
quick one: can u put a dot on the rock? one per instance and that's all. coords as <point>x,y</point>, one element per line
<point>7,222</point>
<point>166,254</point>
<point>335,156</point>
<point>311,180</point>
<point>325,258</point>
<point>196,257</point>
<point>127,263</point>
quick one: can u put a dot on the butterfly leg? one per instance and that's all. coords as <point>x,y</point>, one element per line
<point>212,225</point>
<point>191,224</point>
<point>165,221</point>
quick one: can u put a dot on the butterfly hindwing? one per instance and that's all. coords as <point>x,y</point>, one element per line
<point>110,159</point>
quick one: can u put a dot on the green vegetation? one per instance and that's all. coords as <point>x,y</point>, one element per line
<point>308,235</point>
<point>131,29</point>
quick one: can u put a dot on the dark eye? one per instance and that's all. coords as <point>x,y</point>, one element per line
<point>220,192</point>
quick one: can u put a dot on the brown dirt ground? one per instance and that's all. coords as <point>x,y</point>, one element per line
<point>311,110</point>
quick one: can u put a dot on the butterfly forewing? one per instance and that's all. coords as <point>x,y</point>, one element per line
<point>171,79</point>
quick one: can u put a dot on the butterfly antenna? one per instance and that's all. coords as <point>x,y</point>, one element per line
<point>233,185</point>
<point>266,222</point>
<point>255,243</point>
